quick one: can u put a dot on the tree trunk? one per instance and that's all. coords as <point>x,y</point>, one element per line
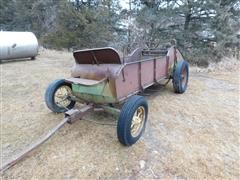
<point>188,15</point>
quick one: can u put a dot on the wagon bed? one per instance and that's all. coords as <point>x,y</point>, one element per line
<point>101,78</point>
<point>115,78</point>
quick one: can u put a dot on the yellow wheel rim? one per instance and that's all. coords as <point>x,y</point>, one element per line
<point>138,121</point>
<point>61,96</point>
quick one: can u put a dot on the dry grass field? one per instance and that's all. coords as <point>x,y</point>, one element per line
<point>190,136</point>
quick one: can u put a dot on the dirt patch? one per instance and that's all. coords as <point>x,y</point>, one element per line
<point>190,136</point>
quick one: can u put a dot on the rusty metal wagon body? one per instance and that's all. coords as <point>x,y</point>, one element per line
<point>101,78</point>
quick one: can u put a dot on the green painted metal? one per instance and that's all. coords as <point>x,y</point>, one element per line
<point>98,93</point>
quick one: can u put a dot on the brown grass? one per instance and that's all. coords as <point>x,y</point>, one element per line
<point>190,136</point>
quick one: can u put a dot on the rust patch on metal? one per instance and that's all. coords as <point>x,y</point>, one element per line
<point>97,56</point>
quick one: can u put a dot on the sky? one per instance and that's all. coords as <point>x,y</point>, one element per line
<point>124,3</point>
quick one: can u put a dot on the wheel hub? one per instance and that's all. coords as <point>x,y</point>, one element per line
<point>138,121</point>
<point>61,96</point>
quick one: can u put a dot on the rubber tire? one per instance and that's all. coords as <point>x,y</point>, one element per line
<point>49,96</point>
<point>177,79</point>
<point>125,120</point>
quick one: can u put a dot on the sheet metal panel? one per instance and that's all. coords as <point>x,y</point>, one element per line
<point>14,45</point>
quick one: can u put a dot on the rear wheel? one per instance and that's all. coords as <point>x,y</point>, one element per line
<point>58,96</point>
<point>180,76</point>
<point>132,120</point>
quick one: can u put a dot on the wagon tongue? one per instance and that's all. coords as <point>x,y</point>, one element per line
<point>97,56</point>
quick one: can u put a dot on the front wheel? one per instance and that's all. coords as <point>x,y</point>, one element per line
<point>132,120</point>
<point>58,96</point>
<point>180,76</point>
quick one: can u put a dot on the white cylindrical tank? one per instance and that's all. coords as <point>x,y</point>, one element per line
<point>14,45</point>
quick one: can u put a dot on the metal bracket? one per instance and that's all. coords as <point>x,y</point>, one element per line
<point>123,75</point>
<point>75,114</point>
<point>140,76</point>
<point>154,70</point>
